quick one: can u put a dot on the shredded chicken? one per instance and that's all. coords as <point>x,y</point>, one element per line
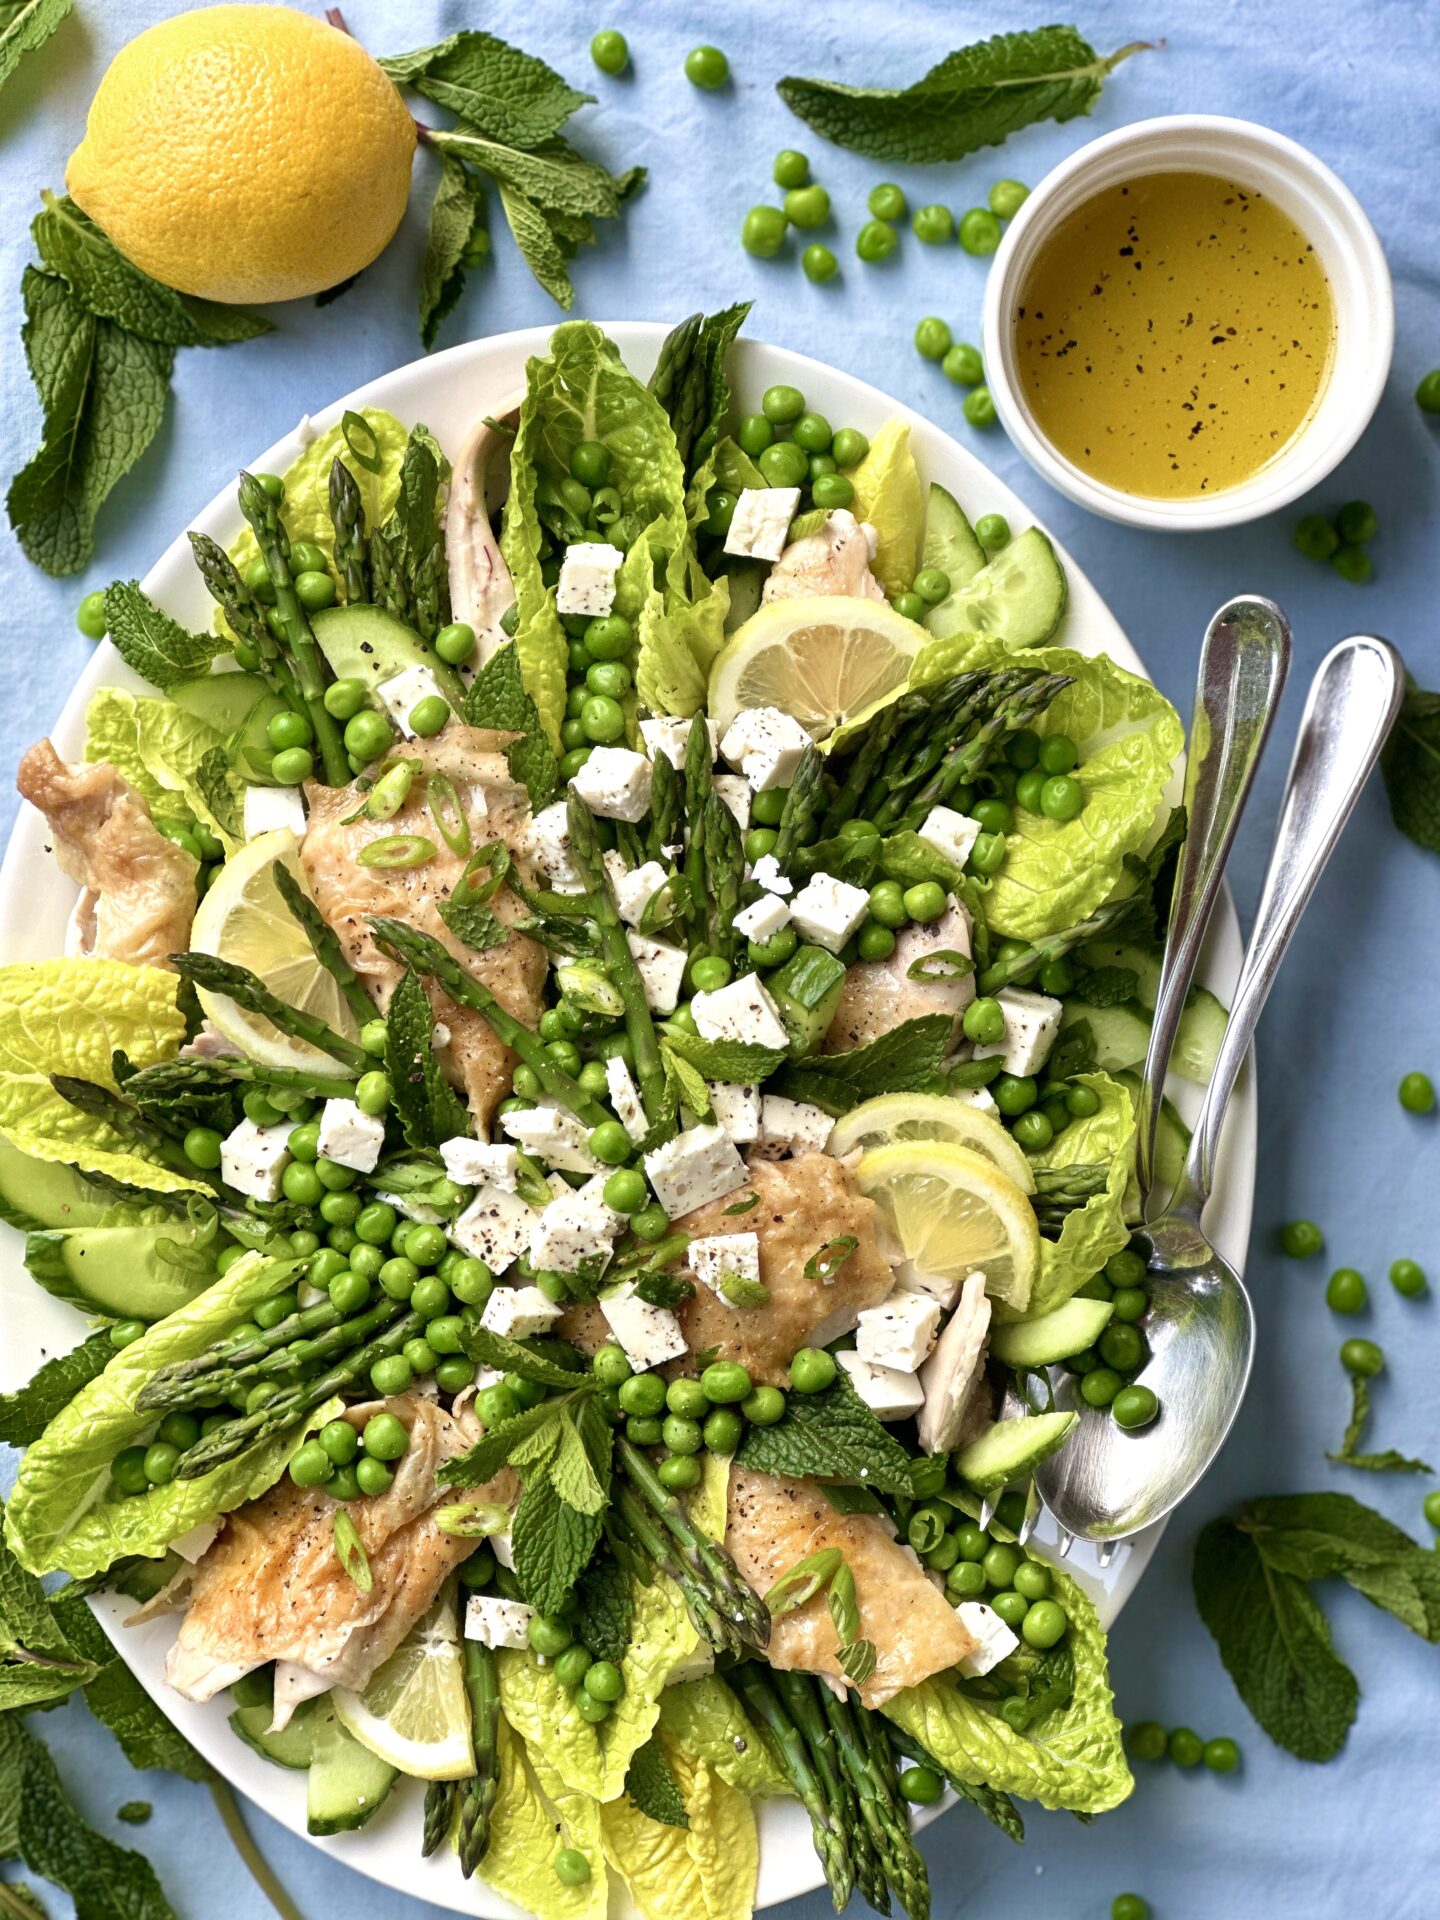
<point>139,894</point>
<point>273,1588</point>
<point>348,893</point>
<point>834,559</point>
<point>880,994</point>
<point>480,586</point>
<point>953,1376</point>
<point>773,1522</point>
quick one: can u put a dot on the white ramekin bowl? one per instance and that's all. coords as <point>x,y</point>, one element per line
<point>1326,212</point>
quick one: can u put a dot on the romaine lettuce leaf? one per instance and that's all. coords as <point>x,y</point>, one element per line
<point>65,1515</point>
<point>305,508</point>
<point>1092,1232</point>
<point>705,1717</point>
<point>158,748</point>
<point>889,495</point>
<point>1056,872</point>
<point>69,1016</point>
<point>705,1871</point>
<point>534,1817</point>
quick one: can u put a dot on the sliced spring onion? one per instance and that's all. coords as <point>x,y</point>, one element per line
<point>449,815</point>
<point>397,850</point>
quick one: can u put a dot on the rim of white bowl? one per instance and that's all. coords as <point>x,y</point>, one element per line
<point>1331,218</point>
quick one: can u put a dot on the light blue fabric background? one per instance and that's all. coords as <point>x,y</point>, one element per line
<point>1357,1006</point>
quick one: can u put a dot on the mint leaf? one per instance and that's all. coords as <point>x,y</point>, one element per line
<point>907,1057</point>
<point>221,792</point>
<point>156,647</point>
<point>555,177</point>
<point>733,1060</point>
<point>17,1902</point>
<point>429,1108</point>
<point>1315,1535</point>
<point>1410,766</point>
<point>685,1082</point>
<point>473,922</point>
<point>580,1468</point>
<point>1387,1462</point>
<point>29,1631</point>
<point>539,248</point>
<point>25,1414</point>
<point>488,1349</point>
<point>1104,986</point>
<point>552,1543</point>
<point>117,1699</point>
<point>1275,1643</point>
<point>498,699</point>
<point>496,89</point>
<point>454,213</point>
<point>651,1785</point>
<point>605,1604</point>
<point>24,26</point>
<point>485,1459</point>
<point>975,97</point>
<point>833,1435</point>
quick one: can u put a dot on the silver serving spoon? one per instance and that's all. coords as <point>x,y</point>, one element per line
<point>1106,1482</point>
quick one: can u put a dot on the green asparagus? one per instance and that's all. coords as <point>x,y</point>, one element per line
<point>326,1340</point>
<point>169,1081</point>
<point>1107,920</point>
<point>724,877</point>
<point>249,991</point>
<point>997,1807</point>
<point>964,762</point>
<point>755,1685</point>
<point>698,787</point>
<point>441,1799</point>
<point>151,1139</point>
<point>798,1692</point>
<point>477,1794</point>
<point>245,617</point>
<point>743,1607</point>
<point>635,1530</point>
<point>804,807</point>
<point>866,1755</point>
<point>347,516</point>
<point>667,810</point>
<point>322,938</point>
<point>162,1388</point>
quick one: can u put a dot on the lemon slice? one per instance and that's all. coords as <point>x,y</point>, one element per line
<point>953,1211</point>
<point>823,659</point>
<point>243,919</point>
<point>415,1712</point>
<point>931,1116</point>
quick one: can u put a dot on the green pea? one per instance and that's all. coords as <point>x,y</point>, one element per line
<point>160,1462</point>
<point>1058,753</point>
<point>609,636</point>
<point>454,1373</point>
<point>315,591</point>
<point>725,1381</point>
<point>1129,1906</point>
<point>1012,1095</point>
<point>849,447</point>
<point>1034,1131</point>
<point>832,490</point>
<point>1417,1093</point>
<point>775,951</point>
<point>921,1786</point>
<point>755,434</point>
<point>643,1394</point>
<point>932,584</point>
<point>293,767</point>
<point>446,1334</point>
<point>1122,1346</point>
<point>811,1370</point>
<point>934,225</point>
<point>1146,1740</point>
<point>966,1579</point>
<point>367,736</point>
<point>807,207</point>
<point>1062,798</point>
<point>311,1466</point>
<point>391,1375</point>
<point>1302,1238</point>
<point>1221,1755</point>
<point>723,1429</point>
<point>572,1869</point>
<point>763,1406</point>
<point>874,942</point>
<point>992,530</point>
<point>1000,1563</point>
<point>1134,1407</point>
<point>933,337</point>
<point>925,901</point>
<point>1012,1607</point>
<point>1044,1624</point>
<point>819,263</point>
<point>1356,523</point>
<point>1007,197</point>
<point>1432,1508</point>
<point>987,856</point>
<point>1427,394</point>
<point>1408,1278</point>
<point>471,1282</point>
<point>1185,1747</point>
<point>762,232</point>
<point>1346,1291</point>
<point>548,1635</point>
<point>782,404</point>
<point>374,1477</point>
<point>495,1405</point>
<point>979,407</point>
<point>610,1143</point>
<point>1353,564</point>
<point>652,1223</point>
<point>962,364</point>
<point>1315,537</point>
<point>257,579</point>
<point>90,616</point>
<point>604,1681</point>
<point>340,1441</point>
<point>202,1148</point>
<point>1099,1387</point>
<point>790,168</point>
<point>784,464</point>
<point>572,1665</point>
<point>610,51</point>
<point>706,68</point>
<point>1033,1580</point>
<point>1131,1304</point>
<point>1363,1357</point>
<point>876,241</point>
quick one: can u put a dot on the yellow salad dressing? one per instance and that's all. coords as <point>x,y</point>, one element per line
<point>1174,334</point>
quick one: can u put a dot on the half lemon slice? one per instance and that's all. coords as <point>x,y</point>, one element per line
<point>954,1212</point>
<point>931,1116</point>
<point>415,1712</point>
<point>824,659</point>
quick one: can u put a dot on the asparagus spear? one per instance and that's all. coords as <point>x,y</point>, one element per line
<point>249,991</point>
<point>479,1791</point>
<point>667,810</point>
<point>225,1355</point>
<point>441,1797</point>
<point>724,873</point>
<point>326,1341</point>
<point>170,1080</point>
<point>804,806</point>
<point>274,543</point>
<point>755,1685</point>
<point>427,956</point>
<point>322,938</point>
<point>699,769</point>
<point>387,578</point>
<point>798,1693</point>
<point>866,1755</point>
<point>932,739</point>
<point>996,1806</point>
<point>638,1535</point>
<point>244,615</point>
<point>347,516</point>
<point>963,763</point>
<point>153,1140</point>
<point>746,1611</point>
<point>1104,920</point>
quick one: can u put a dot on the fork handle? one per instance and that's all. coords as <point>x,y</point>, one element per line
<point>1353,701</point>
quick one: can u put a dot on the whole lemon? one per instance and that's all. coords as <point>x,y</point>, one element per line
<point>245,153</point>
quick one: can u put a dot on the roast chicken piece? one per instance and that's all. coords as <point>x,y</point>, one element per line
<point>480,585</point>
<point>879,994</point>
<point>834,559</point>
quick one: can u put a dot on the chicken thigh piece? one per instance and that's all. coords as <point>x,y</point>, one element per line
<point>834,559</point>
<point>480,586</point>
<point>880,994</point>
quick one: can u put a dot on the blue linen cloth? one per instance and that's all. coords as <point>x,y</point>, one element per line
<point>1357,1005</point>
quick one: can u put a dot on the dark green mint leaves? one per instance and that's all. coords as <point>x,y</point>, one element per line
<point>1410,766</point>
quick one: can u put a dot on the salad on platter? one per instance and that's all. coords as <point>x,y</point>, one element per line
<point>590,1082</point>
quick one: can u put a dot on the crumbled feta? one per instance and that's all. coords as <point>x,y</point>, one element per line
<point>827,911</point>
<point>791,1126</point>
<point>661,968</point>
<point>308,1296</point>
<point>252,1159</point>
<point>625,1099</point>
<point>900,1332</point>
<point>349,1137</point>
<point>763,918</point>
<point>269,808</point>
<point>766,745</point>
<point>736,1108</point>
<point>760,525</point>
<point>495,1227</point>
<point>951,834</point>
<point>693,1169</point>
<point>502,1545</point>
<point>713,1257</point>
<point>440,1037</point>
<point>498,1623</point>
<point>403,692</point>
<point>480,1163</point>
<point>1032,1020</point>
<point>889,1394</point>
<point>735,792</point>
<point>743,1010</point>
<point>634,890</point>
<point>980,1098</point>
<point>671,736</point>
<point>587,577</point>
<point>937,1287</point>
<point>517,1312</point>
<point>554,1135</point>
<point>766,873</point>
<point>575,1229</point>
<point>996,1639</point>
<point>649,1335</point>
<point>615,783</point>
<point>547,841</point>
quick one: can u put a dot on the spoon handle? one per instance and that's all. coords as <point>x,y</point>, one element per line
<point>1353,701</point>
<point>1243,663</point>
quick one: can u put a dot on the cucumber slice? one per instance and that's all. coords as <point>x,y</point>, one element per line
<point>35,1194</point>
<point>1172,1136</point>
<point>293,1746</point>
<point>1143,962</point>
<point>255,1689</point>
<point>347,1782</point>
<point>1198,1037</point>
<point>115,1270</point>
<point>950,542</point>
<point>1020,595</point>
<point>1054,1336</point>
<point>1121,1034</point>
<point>366,643</point>
<point>807,991</point>
<point>1012,1450</point>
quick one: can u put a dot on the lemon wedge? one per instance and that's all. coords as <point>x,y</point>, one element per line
<point>931,1116</point>
<point>824,659</point>
<point>243,919</point>
<point>415,1713</point>
<point>954,1212</point>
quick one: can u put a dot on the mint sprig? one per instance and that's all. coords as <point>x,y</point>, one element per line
<point>833,1435</point>
<point>24,26</point>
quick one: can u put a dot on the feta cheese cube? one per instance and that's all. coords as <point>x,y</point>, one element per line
<point>554,1135</point>
<point>766,873</point>
<point>495,1228</point>
<point>669,735</point>
<point>761,523</point>
<point>587,577</point>
<point>517,1312</point>
<point>693,1169</point>
<point>662,970</point>
<point>634,890</point>
<point>766,745</point>
<point>889,1394</point>
<point>996,1639</point>
<point>827,911</point>
<point>575,1230</point>
<point>480,1163</point>
<point>980,1098</point>
<point>951,834</point>
<point>625,1099</point>
<point>944,1292</point>
<point>502,1545</point>
<point>403,692</point>
<point>267,809</point>
<point>763,918</point>
<point>714,1257</point>
<point>736,1108</point>
<point>349,1137</point>
<point>742,1011</point>
<point>900,1332</point>
<point>735,792</point>
<point>791,1126</point>
<point>498,1623</point>
<point>547,841</point>
<point>252,1158</point>
<point>649,1335</point>
<point>615,783</point>
<point>1032,1020</point>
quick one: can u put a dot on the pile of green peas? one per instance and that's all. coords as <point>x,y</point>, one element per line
<point>595,1685</point>
<point>961,364</point>
<point>687,1416</point>
<point>794,447</point>
<point>348,1464</point>
<point>1148,1740</point>
<point>806,207</point>
<point>198,841</point>
<point>977,1566</point>
<point>601,662</point>
<point>1107,1369</point>
<point>1343,541</point>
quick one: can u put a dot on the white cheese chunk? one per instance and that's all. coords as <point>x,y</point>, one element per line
<point>194,1544</point>
<point>980,1098</point>
<point>253,1159</point>
<point>481,1163</point>
<point>349,1137</point>
<point>615,784</point>
<point>760,525</point>
<point>937,1287</point>
<point>661,968</point>
<point>791,1126</point>
<point>547,841</point>
<point>498,1623</point>
<point>517,1312</point>
<point>763,918</point>
<point>766,873</point>
<point>735,792</point>
<point>951,834</point>
<point>633,891</point>
<point>587,578</point>
<point>403,692</point>
<point>1032,1020</point>
<point>649,1335</point>
<point>996,1639</point>
<point>742,1010</point>
<point>693,1169</point>
<point>267,809</point>
<point>668,735</point>
<point>575,1230</point>
<point>625,1099</point>
<point>554,1135</point>
<point>736,1108</point>
<point>889,1394</point>
<point>495,1227</point>
<point>766,745</point>
<point>827,911</point>
<point>409,1208</point>
<point>714,1257</point>
<point>900,1332</point>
